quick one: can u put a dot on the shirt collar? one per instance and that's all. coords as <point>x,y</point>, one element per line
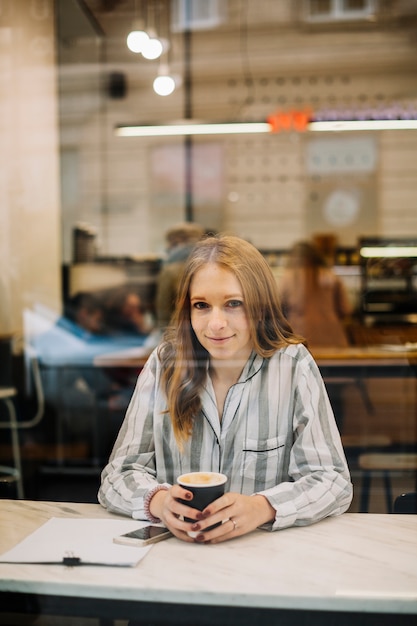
<point>252,367</point>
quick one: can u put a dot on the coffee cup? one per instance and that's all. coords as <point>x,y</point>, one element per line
<point>205,487</point>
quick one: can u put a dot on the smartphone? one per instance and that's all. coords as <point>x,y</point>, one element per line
<point>143,536</point>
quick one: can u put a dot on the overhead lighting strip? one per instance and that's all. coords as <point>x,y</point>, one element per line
<point>341,126</point>
<point>170,130</point>
<point>235,128</point>
<point>388,251</point>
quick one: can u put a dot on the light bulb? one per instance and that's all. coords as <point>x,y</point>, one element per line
<point>136,40</point>
<point>164,85</point>
<point>152,49</point>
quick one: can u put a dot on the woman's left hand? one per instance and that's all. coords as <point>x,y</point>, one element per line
<point>239,515</point>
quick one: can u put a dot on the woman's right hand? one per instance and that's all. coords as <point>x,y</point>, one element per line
<point>165,504</point>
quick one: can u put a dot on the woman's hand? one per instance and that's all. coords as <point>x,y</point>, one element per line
<point>237,514</point>
<point>165,505</point>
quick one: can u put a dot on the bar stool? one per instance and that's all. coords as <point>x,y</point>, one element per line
<point>12,474</point>
<point>7,395</point>
<point>385,462</point>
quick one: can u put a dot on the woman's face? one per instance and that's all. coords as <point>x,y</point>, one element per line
<point>218,314</point>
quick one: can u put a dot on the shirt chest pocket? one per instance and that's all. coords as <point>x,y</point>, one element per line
<point>262,458</point>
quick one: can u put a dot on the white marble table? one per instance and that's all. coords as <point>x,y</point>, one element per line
<point>354,563</point>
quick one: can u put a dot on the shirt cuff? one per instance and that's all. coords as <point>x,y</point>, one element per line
<point>147,501</point>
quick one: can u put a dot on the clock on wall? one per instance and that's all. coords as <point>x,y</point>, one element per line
<point>341,208</point>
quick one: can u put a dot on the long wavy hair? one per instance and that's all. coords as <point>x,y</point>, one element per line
<point>184,360</point>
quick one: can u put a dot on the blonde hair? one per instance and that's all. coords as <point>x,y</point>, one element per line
<point>184,360</point>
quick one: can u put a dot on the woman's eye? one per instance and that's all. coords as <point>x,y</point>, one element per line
<point>200,305</point>
<point>234,303</point>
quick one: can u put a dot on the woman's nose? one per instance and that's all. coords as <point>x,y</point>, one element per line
<point>217,319</point>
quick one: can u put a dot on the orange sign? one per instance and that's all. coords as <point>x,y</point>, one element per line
<point>289,120</point>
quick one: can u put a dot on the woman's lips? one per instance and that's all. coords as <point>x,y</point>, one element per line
<point>218,339</point>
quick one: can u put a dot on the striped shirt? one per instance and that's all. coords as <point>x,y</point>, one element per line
<point>277,437</point>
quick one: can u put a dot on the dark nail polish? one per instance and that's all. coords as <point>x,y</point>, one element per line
<point>199,538</point>
<point>195,527</point>
<point>188,496</point>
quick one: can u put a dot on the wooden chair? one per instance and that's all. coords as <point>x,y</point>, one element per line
<point>385,463</point>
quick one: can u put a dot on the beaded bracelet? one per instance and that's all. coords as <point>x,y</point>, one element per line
<point>147,502</point>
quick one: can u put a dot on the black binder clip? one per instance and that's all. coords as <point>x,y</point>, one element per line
<point>70,560</point>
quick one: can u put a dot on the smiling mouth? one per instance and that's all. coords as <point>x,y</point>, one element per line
<point>218,339</point>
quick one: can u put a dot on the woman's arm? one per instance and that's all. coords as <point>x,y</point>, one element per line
<point>131,470</point>
<point>320,480</point>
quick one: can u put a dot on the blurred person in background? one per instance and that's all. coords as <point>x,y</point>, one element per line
<point>125,313</point>
<point>83,316</point>
<point>315,302</point>
<point>314,299</point>
<point>180,240</point>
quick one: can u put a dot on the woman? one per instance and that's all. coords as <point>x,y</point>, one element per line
<point>313,298</point>
<point>230,389</point>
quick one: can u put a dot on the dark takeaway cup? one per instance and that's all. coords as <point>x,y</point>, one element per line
<point>205,487</point>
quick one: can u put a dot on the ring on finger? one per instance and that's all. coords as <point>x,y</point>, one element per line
<point>234,523</point>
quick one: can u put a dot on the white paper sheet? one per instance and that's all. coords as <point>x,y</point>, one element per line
<point>90,540</point>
